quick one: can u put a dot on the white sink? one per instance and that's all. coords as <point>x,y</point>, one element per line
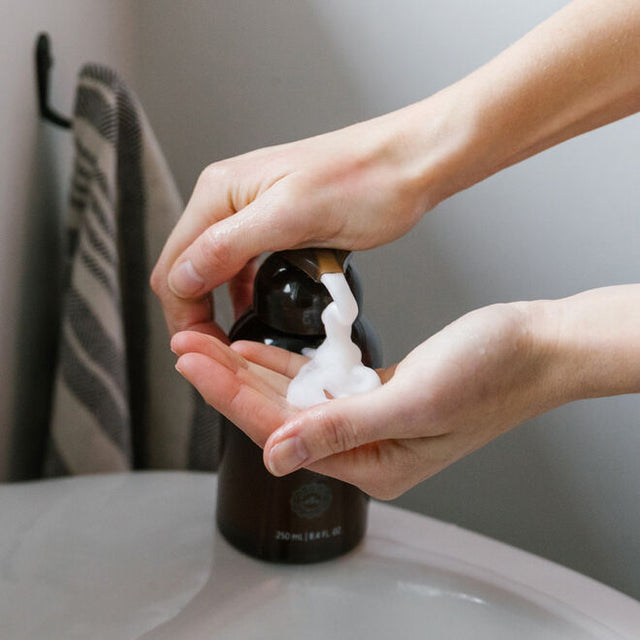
<point>137,556</point>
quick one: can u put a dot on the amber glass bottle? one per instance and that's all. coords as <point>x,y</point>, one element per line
<point>302,517</point>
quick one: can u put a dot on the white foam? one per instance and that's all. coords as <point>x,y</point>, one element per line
<point>336,365</point>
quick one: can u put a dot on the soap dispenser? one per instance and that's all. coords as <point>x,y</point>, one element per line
<point>302,517</point>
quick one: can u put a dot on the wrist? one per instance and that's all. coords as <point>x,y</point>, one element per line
<point>433,140</point>
<point>590,342</point>
<point>573,73</point>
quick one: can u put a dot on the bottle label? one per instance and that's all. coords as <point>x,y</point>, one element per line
<point>310,500</point>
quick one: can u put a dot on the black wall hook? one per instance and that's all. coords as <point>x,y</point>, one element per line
<point>44,62</point>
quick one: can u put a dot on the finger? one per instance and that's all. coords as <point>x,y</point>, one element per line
<point>332,428</point>
<point>284,362</point>
<point>386,469</point>
<point>254,408</point>
<point>383,470</point>
<point>196,342</point>
<point>187,314</point>
<point>269,223</point>
<point>276,381</point>
<point>211,329</point>
<point>212,347</point>
<point>209,202</point>
<point>241,288</point>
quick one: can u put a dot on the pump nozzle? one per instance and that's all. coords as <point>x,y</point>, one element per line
<point>315,262</point>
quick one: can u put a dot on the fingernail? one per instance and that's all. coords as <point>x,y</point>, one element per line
<point>287,456</point>
<point>184,280</point>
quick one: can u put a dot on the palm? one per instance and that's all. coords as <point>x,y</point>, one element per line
<point>251,391</point>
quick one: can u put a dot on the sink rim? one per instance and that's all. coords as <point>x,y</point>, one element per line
<point>448,546</point>
<point>394,535</point>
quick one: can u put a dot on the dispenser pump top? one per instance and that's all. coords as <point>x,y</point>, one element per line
<point>315,262</point>
<point>288,293</point>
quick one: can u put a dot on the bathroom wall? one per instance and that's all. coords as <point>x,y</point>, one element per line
<point>219,77</point>
<point>34,163</point>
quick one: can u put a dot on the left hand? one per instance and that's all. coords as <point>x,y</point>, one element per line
<point>478,377</point>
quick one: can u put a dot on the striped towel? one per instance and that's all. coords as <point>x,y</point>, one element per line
<point>118,402</point>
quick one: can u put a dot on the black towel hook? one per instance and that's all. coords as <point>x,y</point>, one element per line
<point>44,62</point>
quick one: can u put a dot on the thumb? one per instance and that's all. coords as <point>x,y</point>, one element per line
<point>328,429</point>
<point>224,248</point>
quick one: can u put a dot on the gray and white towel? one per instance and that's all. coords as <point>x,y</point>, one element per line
<point>118,402</point>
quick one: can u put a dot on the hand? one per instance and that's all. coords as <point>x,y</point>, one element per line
<point>353,189</point>
<point>477,378</point>
<point>367,184</point>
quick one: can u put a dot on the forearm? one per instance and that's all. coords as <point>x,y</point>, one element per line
<point>575,72</point>
<point>591,342</point>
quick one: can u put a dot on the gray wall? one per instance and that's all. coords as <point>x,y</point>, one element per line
<point>219,77</point>
<point>231,76</point>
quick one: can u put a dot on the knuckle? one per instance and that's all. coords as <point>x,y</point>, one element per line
<point>290,210</point>
<point>214,251</point>
<point>293,192</point>
<point>212,175</point>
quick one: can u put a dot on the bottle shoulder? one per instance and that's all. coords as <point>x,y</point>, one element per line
<point>251,327</point>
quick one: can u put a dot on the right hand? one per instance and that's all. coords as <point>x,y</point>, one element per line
<point>368,184</point>
<point>354,188</point>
